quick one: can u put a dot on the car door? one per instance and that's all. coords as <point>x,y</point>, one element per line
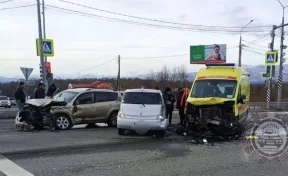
<point>84,106</point>
<point>103,104</point>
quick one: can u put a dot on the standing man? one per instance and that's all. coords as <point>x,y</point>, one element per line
<point>169,102</point>
<point>179,107</point>
<point>20,96</point>
<point>52,91</point>
<point>39,91</point>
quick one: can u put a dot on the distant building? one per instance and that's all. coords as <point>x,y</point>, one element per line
<point>95,85</point>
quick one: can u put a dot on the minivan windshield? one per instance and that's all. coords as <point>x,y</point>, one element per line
<point>142,98</point>
<point>214,88</point>
<point>66,96</point>
<point>3,98</point>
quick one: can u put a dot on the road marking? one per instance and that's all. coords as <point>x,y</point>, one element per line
<point>11,169</point>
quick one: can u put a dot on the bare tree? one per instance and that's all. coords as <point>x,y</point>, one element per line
<point>151,75</point>
<point>182,75</point>
<point>173,75</point>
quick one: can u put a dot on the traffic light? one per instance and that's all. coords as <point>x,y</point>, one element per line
<point>268,71</point>
<point>266,84</point>
<point>48,67</point>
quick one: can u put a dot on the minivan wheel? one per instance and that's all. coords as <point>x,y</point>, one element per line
<point>160,134</point>
<point>121,131</point>
<point>112,122</point>
<point>62,122</point>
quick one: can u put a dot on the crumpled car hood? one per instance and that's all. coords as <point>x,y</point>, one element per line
<point>208,101</point>
<point>45,102</point>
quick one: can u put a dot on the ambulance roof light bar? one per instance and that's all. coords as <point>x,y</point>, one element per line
<point>221,65</point>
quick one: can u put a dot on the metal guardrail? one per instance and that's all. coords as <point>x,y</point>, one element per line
<point>263,106</point>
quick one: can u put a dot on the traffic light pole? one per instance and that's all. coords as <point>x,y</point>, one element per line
<point>41,44</point>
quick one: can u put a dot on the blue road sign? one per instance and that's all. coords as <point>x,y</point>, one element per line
<point>48,47</point>
<point>270,58</point>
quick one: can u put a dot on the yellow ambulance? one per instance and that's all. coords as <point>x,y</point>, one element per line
<point>219,99</point>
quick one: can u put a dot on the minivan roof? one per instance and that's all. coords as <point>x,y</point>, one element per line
<point>88,89</point>
<point>143,90</point>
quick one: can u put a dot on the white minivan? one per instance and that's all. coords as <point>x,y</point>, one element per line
<point>142,110</point>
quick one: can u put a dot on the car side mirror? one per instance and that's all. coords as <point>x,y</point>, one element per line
<point>242,98</point>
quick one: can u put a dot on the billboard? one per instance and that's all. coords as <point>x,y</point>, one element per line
<point>202,54</point>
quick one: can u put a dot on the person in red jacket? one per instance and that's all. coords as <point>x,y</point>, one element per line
<point>184,97</point>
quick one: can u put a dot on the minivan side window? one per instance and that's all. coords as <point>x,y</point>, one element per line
<point>105,96</point>
<point>85,98</point>
<point>113,96</point>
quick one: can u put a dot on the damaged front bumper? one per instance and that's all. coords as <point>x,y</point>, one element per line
<point>216,116</point>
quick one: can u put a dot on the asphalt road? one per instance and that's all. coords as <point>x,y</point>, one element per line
<point>8,112</point>
<point>99,151</point>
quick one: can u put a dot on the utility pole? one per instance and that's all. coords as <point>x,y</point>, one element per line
<point>118,76</point>
<point>44,24</point>
<point>280,76</point>
<point>44,36</point>
<point>240,51</point>
<point>240,45</point>
<point>268,94</point>
<point>41,42</point>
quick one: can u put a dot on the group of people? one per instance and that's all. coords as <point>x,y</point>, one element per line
<point>39,93</point>
<point>180,100</point>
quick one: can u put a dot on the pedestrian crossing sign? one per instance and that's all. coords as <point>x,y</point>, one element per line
<point>271,58</point>
<point>48,47</point>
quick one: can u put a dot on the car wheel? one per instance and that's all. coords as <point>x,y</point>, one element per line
<point>112,122</point>
<point>62,122</point>
<point>5,106</point>
<point>9,107</point>
<point>121,131</point>
<point>160,134</point>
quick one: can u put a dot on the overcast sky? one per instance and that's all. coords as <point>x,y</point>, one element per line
<point>82,42</point>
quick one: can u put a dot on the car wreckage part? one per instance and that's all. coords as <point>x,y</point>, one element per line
<point>218,119</point>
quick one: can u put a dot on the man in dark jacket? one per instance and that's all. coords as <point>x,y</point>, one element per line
<point>169,102</point>
<point>179,107</point>
<point>20,96</point>
<point>52,90</point>
<point>40,91</point>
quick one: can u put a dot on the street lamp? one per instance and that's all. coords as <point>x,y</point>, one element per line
<point>240,43</point>
<point>279,97</point>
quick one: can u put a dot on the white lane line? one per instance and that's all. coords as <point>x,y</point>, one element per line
<point>11,169</point>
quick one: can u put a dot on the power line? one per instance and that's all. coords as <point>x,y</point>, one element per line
<point>254,48</point>
<point>250,50</point>
<point>256,44</point>
<point>156,57</point>
<point>253,41</point>
<point>146,24</point>
<point>149,19</point>
<point>95,66</point>
<point>2,2</point>
<point>159,57</point>
<point>17,7</point>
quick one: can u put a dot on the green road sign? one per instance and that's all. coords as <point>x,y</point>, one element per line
<point>202,54</point>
